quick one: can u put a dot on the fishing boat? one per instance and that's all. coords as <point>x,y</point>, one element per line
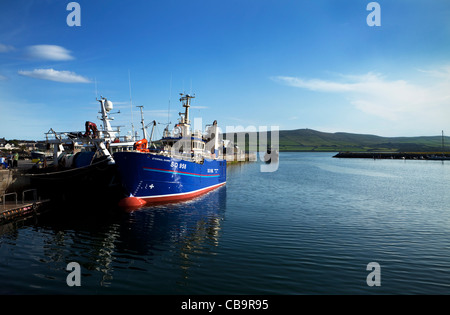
<point>81,169</point>
<point>183,164</point>
<point>79,166</point>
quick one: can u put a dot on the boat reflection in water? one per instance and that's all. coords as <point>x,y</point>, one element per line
<point>190,226</point>
<point>120,249</point>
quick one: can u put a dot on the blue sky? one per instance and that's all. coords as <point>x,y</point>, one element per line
<point>292,64</point>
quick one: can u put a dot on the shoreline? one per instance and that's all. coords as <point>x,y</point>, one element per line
<point>395,155</point>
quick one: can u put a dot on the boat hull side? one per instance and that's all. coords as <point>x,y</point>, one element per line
<point>156,178</point>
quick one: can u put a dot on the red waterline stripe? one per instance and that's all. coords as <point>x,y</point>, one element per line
<point>181,196</point>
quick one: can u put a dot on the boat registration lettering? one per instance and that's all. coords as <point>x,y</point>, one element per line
<point>176,165</point>
<point>213,170</point>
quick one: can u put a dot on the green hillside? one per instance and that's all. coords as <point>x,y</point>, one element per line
<point>312,140</point>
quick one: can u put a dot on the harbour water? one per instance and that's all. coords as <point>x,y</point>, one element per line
<point>311,227</point>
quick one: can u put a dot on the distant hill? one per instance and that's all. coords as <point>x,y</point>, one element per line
<point>312,140</point>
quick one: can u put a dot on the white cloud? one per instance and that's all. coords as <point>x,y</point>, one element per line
<point>442,73</point>
<point>5,48</point>
<point>315,84</point>
<point>392,100</point>
<point>49,52</point>
<point>55,75</point>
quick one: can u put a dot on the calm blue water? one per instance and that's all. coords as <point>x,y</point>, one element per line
<point>311,227</point>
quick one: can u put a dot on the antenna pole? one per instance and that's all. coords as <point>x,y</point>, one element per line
<point>170,95</point>
<point>131,106</point>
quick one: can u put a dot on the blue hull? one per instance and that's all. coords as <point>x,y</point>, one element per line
<point>156,178</point>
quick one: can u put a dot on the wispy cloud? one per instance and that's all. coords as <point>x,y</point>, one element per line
<point>49,52</point>
<point>441,73</point>
<point>315,84</point>
<point>392,100</point>
<point>6,48</point>
<point>55,75</point>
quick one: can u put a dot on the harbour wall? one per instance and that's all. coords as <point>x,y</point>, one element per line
<point>13,180</point>
<point>395,155</point>
<point>241,157</point>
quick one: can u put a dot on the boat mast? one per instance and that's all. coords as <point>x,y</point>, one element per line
<point>106,106</point>
<point>184,121</point>
<point>187,103</point>
<point>144,131</point>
